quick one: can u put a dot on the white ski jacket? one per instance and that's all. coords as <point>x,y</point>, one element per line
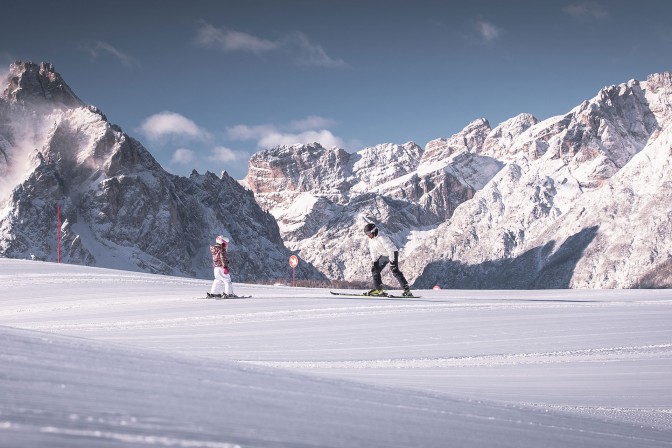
<point>381,246</point>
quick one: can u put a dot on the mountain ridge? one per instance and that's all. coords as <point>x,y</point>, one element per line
<point>484,203</point>
<point>118,207</point>
<point>526,204</point>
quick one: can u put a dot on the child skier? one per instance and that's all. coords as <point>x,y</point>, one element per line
<point>222,285</point>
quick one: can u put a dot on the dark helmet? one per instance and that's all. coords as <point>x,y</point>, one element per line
<point>371,229</point>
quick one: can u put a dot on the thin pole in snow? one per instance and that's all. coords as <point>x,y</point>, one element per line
<point>58,231</point>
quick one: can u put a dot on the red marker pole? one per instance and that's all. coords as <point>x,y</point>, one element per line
<point>293,262</point>
<point>58,232</point>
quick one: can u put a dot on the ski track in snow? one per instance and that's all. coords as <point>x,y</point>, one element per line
<point>459,343</point>
<point>115,436</point>
<point>327,313</point>
<point>661,418</point>
<point>588,355</point>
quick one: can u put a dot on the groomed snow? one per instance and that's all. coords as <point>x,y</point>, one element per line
<point>96,357</point>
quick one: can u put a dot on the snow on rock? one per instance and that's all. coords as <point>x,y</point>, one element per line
<point>388,182</point>
<point>118,207</point>
<point>527,204</point>
<point>570,201</point>
<point>32,83</point>
<point>553,220</point>
<point>469,139</point>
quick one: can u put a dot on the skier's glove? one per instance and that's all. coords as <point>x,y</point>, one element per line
<point>226,270</point>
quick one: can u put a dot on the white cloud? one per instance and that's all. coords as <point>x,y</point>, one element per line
<point>487,30</point>
<point>182,156</point>
<point>28,133</point>
<point>587,11</point>
<point>296,45</point>
<point>231,40</point>
<point>97,47</point>
<point>244,132</point>
<point>311,122</point>
<point>4,74</point>
<point>308,130</point>
<point>169,123</point>
<point>310,54</point>
<point>224,154</point>
<point>323,137</point>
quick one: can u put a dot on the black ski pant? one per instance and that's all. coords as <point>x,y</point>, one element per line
<point>379,265</point>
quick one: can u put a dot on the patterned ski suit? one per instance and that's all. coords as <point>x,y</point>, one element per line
<point>220,264</point>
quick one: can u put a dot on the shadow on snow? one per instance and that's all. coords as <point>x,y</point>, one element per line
<point>539,268</point>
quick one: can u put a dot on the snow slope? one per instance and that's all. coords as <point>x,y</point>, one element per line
<point>105,358</point>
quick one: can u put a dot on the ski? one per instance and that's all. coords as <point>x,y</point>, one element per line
<point>220,297</point>
<point>386,295</point>
<point>357,294</point>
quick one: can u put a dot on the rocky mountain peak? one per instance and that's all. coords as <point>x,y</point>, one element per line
<point>278,174</point>
<point>527,203</point>
<point>468,139</point>
<point>30,83</point>
<point>119,208</point>
<point>499,141</point>
<point>658,88</point>
<point>575,200</point>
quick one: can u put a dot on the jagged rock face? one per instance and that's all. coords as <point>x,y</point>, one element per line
<point>586,212</point>
<point>632,221</point>
<point>499,141</point>
<point>602,135</point>
<point>118,207</point>
<point>577,200</point>
<point>469,139</point>
<point>527,204</point>
<point>320,196</point>
<point>279,174</point>
<point>33,83</point>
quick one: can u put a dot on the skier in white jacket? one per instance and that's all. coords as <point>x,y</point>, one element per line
<point>383,251</point>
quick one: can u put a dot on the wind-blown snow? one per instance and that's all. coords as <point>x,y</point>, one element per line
<point>105,358</point>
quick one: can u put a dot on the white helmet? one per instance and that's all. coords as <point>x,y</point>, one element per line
<point>222,240</point>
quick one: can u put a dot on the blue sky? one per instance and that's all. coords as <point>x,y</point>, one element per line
<point>205,84</point>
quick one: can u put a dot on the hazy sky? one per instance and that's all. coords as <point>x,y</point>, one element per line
<point>205,84</point>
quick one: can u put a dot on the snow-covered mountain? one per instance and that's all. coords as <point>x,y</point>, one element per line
<point>577,200</point>
<point>319,196</point>
<point>118,207</point>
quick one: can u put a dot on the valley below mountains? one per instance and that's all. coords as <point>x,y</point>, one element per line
<point>578,200</point>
